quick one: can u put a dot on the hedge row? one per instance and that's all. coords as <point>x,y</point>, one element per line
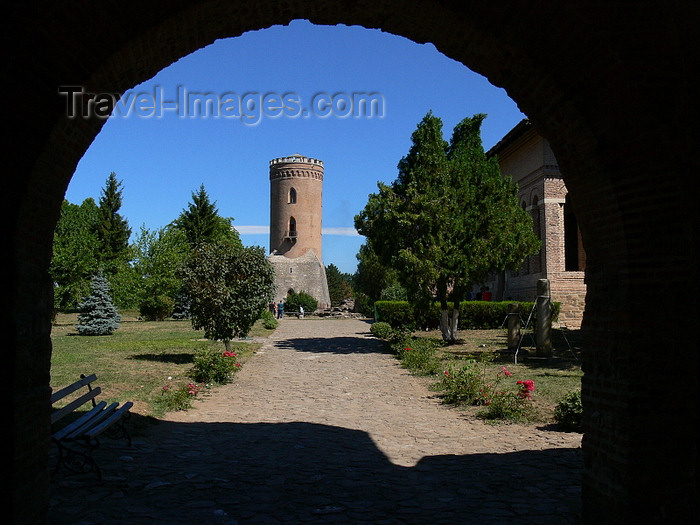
<point>473,315</point>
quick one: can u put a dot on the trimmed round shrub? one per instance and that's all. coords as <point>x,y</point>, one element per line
<point>381,330</point>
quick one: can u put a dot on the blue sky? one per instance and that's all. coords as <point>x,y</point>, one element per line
<point>162,158</point>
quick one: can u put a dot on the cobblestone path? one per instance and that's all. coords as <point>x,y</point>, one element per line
<point>321,426</point>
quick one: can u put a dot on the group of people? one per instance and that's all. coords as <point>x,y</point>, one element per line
<point>277,309</point>
<point>482,295</point>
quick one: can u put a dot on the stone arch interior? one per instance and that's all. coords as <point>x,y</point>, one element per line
<point>507,65</point>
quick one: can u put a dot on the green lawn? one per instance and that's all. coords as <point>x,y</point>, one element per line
<point>553,377</point>
<point>137,360</point>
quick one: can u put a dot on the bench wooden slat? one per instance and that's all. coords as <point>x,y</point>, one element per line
<point>60,394</point>
<point>61,434</point>
<point>70,407</point>
<point>118,414</point>
<point>86,427</point>
<point>81,430</point>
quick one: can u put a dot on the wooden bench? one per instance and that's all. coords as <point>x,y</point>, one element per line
<point>77,440</point>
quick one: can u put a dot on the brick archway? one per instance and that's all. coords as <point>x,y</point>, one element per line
<point>610,90</point>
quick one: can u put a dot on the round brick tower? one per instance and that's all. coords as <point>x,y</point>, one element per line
<point>296,208</point>
<point>296,187</point>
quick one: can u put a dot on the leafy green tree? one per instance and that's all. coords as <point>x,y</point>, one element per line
<point>112,229</point>
<point>201,222</point>
<point>97,314</point>
<point>371,276</point>
<point>75,253</point>
<point>448,220</point>
<point>126,284</point>
<point>229,286</point>
<point>371,279</point>
<point>159,256</point>
<point>339,287</point>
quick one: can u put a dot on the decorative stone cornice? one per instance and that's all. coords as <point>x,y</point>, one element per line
<point>296,166</point>
<point>290,173</point>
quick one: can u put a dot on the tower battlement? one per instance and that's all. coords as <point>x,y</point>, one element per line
<point>296,166</point>
<point>296,158</point>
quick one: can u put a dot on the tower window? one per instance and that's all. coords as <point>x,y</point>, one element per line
<point>292,198</point>
<point>291,233</point>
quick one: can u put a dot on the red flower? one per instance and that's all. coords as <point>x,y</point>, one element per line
<point>525,388</point>
<point>528,384</point>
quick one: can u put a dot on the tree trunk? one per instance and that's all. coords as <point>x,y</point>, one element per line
<point>449,320</point>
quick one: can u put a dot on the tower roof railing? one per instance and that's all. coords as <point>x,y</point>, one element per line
<point>296,158</point>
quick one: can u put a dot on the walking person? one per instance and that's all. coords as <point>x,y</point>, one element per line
<point>280,310</point>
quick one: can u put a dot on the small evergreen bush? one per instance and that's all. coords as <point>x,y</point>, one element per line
<point>181,306</point>
<point>268,320</point>
<point>381,330</point>
<point>569,411</point>
<point>97,313</point>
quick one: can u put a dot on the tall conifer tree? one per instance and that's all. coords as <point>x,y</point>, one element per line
<point>113,229</point>
<point>202,223</point>
<point>448,219</point>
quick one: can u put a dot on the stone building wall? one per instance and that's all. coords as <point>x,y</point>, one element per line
<point>301,274</point>
<point>528,158</point>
